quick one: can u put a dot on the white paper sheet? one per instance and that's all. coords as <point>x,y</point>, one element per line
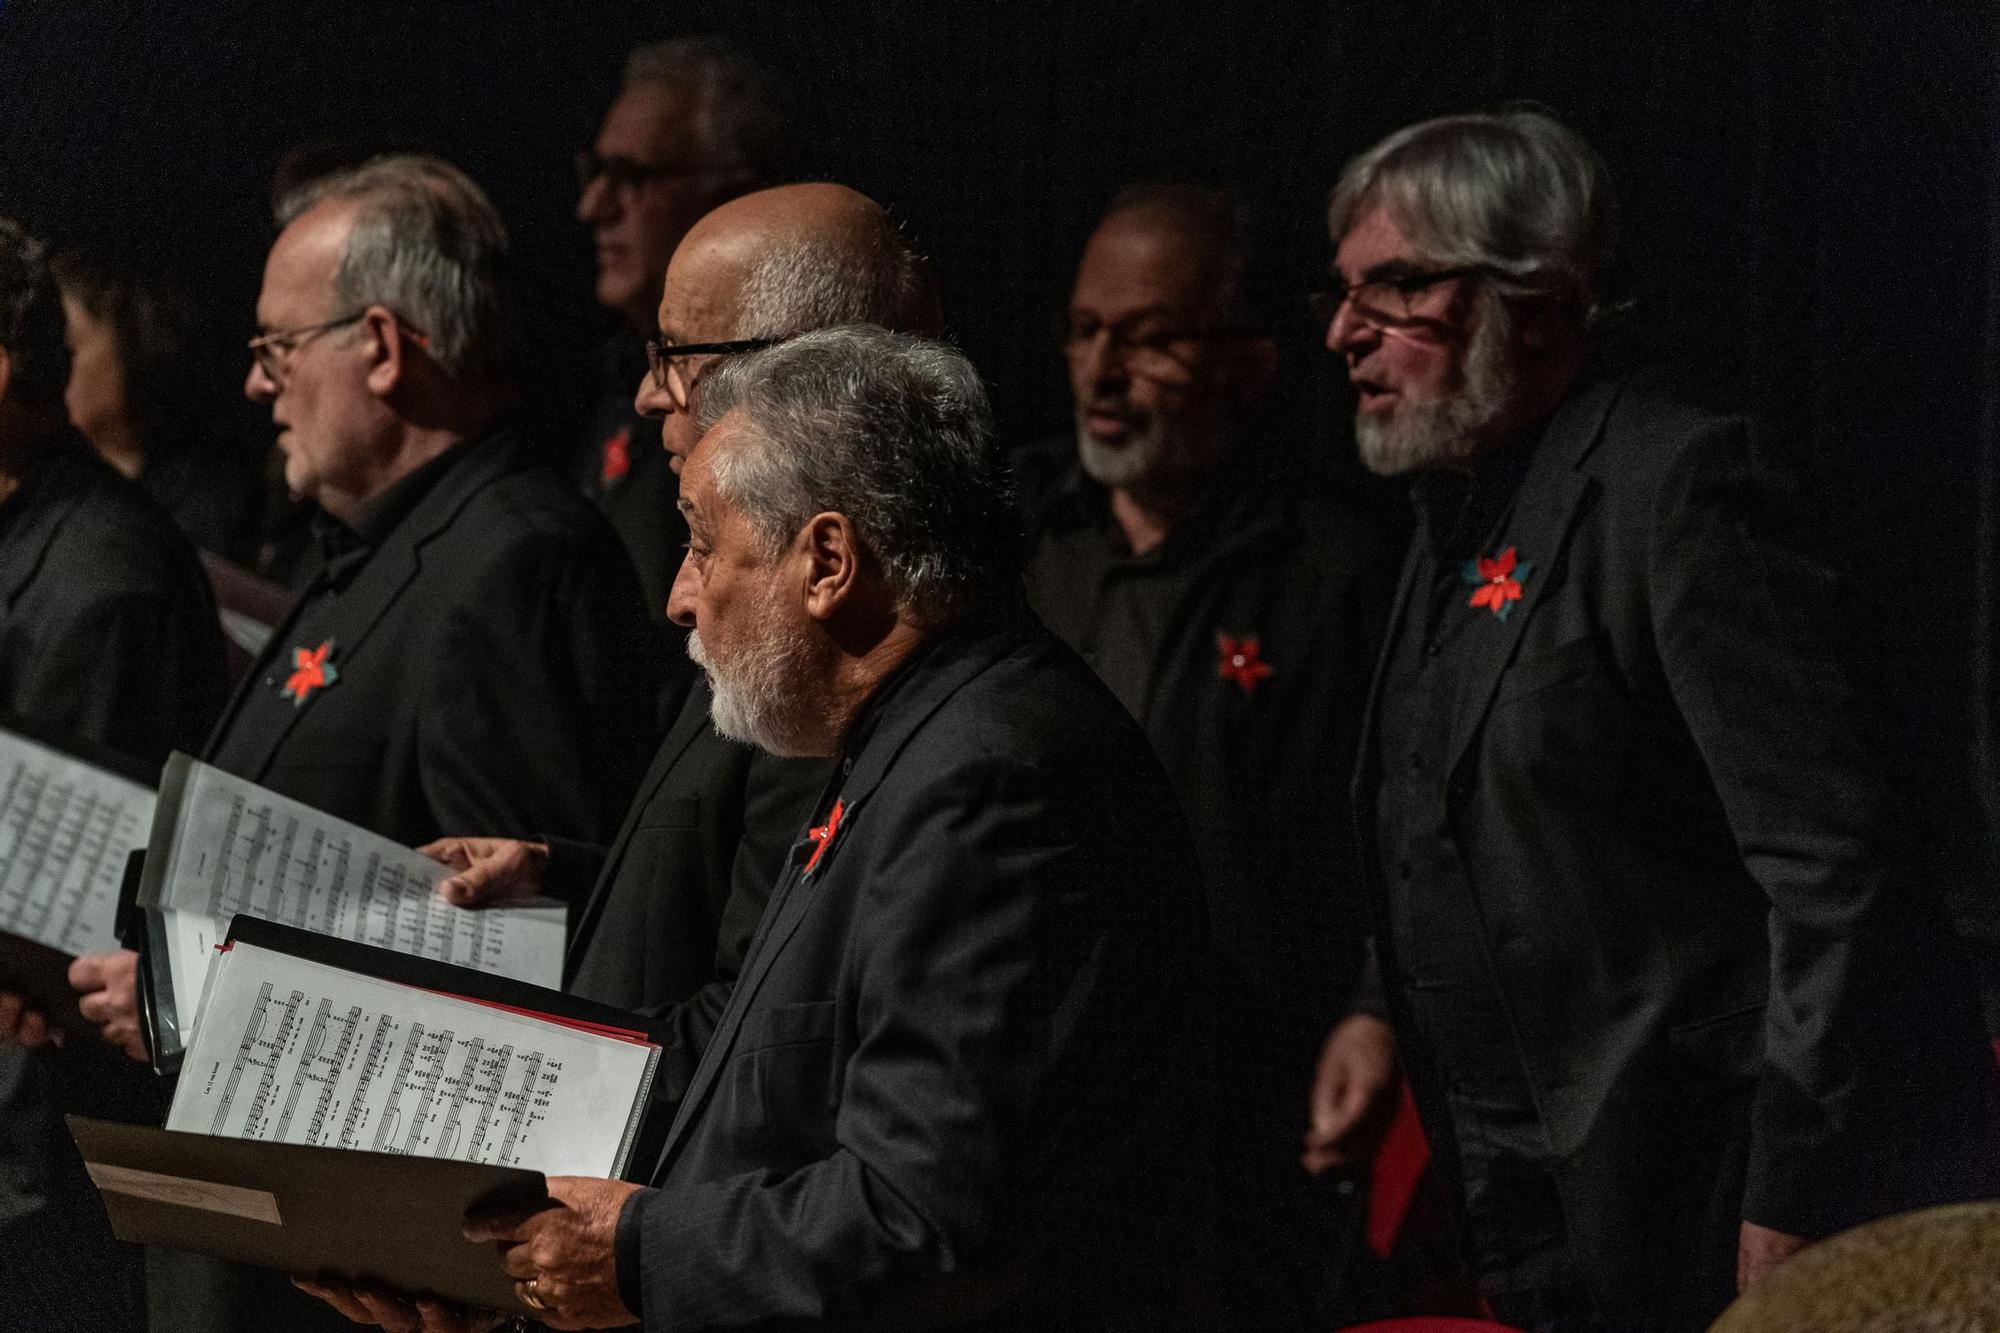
<point>66,828</point>
<point>222,845</point>
<point>295,1051</point>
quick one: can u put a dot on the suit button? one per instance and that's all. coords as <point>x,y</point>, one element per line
<point>846,767</point>
<point>1416,762</point>
<point>1433,648</point>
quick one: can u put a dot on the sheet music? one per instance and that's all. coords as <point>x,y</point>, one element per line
<point>222,845</point>
<point>66,828</point>
<point>295,1051</point>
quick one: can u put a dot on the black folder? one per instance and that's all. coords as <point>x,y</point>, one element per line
<point>392,1219</point>
<point>217,1195</point>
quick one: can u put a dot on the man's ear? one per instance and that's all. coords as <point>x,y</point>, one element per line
<point>386,353</point>
<point>833,563</point>
<point>6,372</point>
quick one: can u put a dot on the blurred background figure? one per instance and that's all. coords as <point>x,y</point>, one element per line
<point>144,388</point>
<point>1233,610</point>
<point>698,122</point>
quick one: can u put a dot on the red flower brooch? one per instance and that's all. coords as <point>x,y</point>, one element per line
<point>312,669</point>
<point>617,457</point>
<point>822,836</point>
<point>1241,661</point>
<point>1496,581</point>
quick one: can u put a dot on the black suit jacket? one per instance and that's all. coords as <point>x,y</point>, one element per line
<point>496,668</point>
<point>956,1079</point>
<point>108,631</point>
<point>1725,1005</point>
<point>671,906</point>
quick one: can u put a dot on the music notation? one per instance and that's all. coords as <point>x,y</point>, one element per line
<point>294,1051</point>
<point>66,827</point>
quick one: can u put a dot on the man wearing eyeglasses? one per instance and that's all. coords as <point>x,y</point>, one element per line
<point>697,122</point>
<point>1234,616</point>
<point>1668,1012</point>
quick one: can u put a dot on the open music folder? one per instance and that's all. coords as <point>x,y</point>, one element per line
<point>327,1078</point>
<point>220,845</point>
<point>69,818</point>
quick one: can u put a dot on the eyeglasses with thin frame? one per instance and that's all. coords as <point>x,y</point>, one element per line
<point>274,349</point>
<point>627,174</point>
<point>662,358</point>
<point>1382,302</point>
<point>1148,345</point>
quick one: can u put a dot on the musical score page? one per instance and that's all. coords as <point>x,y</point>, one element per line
<point>295,1051</point>
<point>222,845</point>
<point>66,827</point>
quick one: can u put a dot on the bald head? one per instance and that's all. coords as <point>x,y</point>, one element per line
<point>781,262</point>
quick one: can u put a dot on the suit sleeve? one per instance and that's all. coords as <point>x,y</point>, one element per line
<point>542,722</point>
<point>975,961</point>
<point>1744,621</point>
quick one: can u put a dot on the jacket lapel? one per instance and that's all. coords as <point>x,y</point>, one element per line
<point>689,724</point>
<point>1551,496</point>
<point>932,680</point>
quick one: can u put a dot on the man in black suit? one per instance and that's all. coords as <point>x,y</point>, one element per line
<point>1668,1013</point>
<point>1234,610</point>
<point>672,904</point>
<point>108,637</point>
<point>472,650</point>
<point>955,1083</point>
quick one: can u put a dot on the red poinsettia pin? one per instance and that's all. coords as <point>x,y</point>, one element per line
<point>1496,581</point>
<point>1241,661</point>
<point>617,457</point>
<point>312,669</point>
<point>822,836</point>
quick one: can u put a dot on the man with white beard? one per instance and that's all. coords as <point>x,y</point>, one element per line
<point>1645,954</point>
<point>1234,614</point>
<point>958,1083</point>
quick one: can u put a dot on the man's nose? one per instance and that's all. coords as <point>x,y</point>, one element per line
<point>652,400</point>
<point>596,202</point>
<point>1349,333</point>
<point>680,598</point>
<point>257,386</point>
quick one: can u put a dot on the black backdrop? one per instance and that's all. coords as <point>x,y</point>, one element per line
<point>1811,190</point>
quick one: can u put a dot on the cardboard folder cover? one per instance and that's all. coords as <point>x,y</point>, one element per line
<point>301,1209</point>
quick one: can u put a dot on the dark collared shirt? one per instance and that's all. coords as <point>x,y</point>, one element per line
<point>342,552</point>
<point>1440,955</point>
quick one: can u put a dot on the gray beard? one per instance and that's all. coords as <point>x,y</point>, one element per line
<point>1165,460</point>
<point>765,699</point>
<point>1449,432</point>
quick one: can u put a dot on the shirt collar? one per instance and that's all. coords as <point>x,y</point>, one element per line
<point>345,547</point>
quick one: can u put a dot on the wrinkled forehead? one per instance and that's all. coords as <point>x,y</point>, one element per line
<point>1138,261</point>
<point>299,272</point>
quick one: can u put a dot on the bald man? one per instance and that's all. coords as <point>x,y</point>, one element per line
<point>671,905</point>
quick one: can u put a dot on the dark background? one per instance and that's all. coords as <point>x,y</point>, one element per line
<point>1811,196</point>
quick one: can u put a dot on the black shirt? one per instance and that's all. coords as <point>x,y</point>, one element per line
<point>1440,955</point>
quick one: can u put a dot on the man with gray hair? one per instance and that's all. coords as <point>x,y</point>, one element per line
<point>697,122</point>
<point>472,650</point>
<point>959,1080</point>
<point>1642,949</point>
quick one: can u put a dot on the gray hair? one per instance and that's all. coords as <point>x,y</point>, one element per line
<point>819,281</point>
<point>892,431</point>
<point>743,108</point>
<point>1516,194</point>
<point>428,244</point>
<point>31,318</point>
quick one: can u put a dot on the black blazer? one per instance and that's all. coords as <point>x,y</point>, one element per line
<point>671,906</point>
<point>497,669</point>
<point>108,631</point>
<point>957,1076</point>
<point>1725,1004</point>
